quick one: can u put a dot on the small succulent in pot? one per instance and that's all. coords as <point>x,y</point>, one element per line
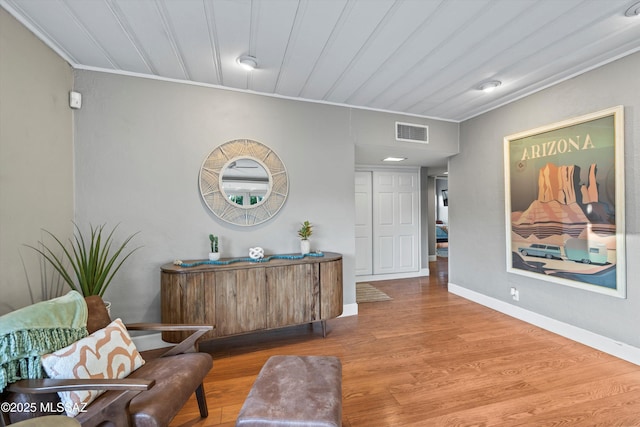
<point>214,255</point>
<point>306,230</point>
<point>214,243</point>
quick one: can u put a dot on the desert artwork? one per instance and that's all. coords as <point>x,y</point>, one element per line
<point>562,204</point>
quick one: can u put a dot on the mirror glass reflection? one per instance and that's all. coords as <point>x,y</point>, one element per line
<point>245,182</point>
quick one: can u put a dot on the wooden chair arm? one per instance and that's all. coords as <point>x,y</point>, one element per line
<point>167,327</point>
<point>188,345</point>
<point>57,385</point>
<point>112,408</point>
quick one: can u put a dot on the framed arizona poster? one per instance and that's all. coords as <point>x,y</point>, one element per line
<point>564,193</point>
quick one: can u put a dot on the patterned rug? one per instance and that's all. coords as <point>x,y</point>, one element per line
<point>367,293</point>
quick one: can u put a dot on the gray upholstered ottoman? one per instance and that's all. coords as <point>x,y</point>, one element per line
<point>295,391</point>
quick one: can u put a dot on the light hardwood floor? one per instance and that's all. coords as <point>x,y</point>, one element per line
<point>430,358</point>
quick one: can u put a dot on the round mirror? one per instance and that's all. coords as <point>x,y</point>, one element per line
<point>243,182</point>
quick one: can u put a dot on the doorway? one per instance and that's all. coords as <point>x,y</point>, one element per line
<point>442,217</point>
<point>387,222</point>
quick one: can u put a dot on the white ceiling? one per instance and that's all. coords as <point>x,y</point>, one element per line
<point>420,57</point>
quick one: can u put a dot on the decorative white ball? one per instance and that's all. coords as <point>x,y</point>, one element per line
<point>256,253</point>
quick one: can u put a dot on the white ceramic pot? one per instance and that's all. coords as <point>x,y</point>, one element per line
<point>305,246</point>
<point>214,256</point>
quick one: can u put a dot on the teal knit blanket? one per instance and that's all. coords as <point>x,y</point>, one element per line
<point>41,328</point>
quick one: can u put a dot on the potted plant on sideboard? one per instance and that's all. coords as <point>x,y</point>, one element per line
<point>214,255</point>
<point>304,233</point>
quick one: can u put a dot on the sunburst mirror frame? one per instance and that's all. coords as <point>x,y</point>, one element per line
<point>210,182</point>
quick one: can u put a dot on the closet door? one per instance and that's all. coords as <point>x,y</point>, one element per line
<point>395,222</point>
<point>364,226</point>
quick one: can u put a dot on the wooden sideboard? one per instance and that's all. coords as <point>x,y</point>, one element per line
<point>245,296</point>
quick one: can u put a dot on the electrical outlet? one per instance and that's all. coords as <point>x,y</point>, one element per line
<point>515,294</point>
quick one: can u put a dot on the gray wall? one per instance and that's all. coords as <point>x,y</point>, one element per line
<point>36,157</point>
<point>476,179</point>
<point>374,128</point>
<point>139,147</point>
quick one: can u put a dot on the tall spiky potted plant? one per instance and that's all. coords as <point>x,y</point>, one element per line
<point>89,264</point>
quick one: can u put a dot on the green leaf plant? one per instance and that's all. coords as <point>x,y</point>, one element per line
<point>92,261</point>
<point>306,230</point>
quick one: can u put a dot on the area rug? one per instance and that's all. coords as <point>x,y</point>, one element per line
<point>367,293</point>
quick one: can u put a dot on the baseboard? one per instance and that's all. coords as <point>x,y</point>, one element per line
<point>599,342</point>
<point>391,276</point>
<point>151,341</point>
<point>433,258</point>
<point>349,310</point>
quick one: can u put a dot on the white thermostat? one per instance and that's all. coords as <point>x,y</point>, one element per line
<point>75,100</point>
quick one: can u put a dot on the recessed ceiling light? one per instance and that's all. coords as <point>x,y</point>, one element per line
<point>633,10</point>
<point>489,86</point>
<point>247,62</point>
<point>394,159</point>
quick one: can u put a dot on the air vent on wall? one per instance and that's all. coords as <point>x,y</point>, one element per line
<point>412,133</point>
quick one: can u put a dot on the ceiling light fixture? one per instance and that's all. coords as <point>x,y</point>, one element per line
<point>394,159</point>
<point>247,62</point>
<point>633,11</point>
<point>489,86</point>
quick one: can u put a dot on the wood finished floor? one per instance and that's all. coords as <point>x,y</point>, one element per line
<point>430,358</point>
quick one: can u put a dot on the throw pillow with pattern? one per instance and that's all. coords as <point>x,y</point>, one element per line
<point>108,353</point>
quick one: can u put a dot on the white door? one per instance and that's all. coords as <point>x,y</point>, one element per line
<point>364,226</point>
<point>395,222</point>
